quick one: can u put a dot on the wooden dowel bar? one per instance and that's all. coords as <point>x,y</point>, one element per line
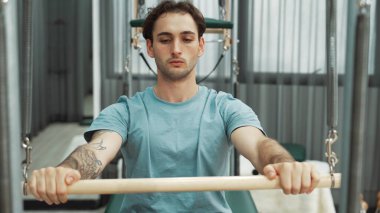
<point>184,184</point>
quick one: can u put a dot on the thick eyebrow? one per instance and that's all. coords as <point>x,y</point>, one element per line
<point>187,33</point>
<point>170,34</point>
<point>164,34</point>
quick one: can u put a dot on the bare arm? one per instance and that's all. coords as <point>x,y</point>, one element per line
<point>272,160</point>
<point>259,149</point>
<point>90,159</point>
<point>87,161</point>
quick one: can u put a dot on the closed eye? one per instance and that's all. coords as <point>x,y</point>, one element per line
<point>188,40</point>
<point>164,41</point>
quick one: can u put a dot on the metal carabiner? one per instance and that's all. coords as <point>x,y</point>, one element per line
<point>136,42</point>
<point>333,134</point>
<point>25,185</point>
<point>26,163</point>
<point>226,41</point>
<point>28,148</point>
<point>330,155</point>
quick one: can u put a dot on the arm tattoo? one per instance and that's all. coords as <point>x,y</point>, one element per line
<point>99,133</point>
<point>84,160</point>
<point>99,145</point>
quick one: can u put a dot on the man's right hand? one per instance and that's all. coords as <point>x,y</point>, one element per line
<point>50,184</point>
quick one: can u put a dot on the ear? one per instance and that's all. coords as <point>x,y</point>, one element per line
<point>201,48</point>
<point>149,47</point>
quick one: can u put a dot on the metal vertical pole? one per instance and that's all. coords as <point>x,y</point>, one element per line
<point>235,70</point>
<point>96,57</point>
<point>347,102</point>
<point>128,60</point>
<point>10,128</point>
<point>360,87</point>
<point>372,38</point>
<point>5,178</point>
<point>234,48</point>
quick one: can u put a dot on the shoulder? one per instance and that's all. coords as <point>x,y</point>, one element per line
<point>138,97</point>
<point>219,96</point>
<point>119,106</point>
<point>225,103</point>
<point>122,104</point>
<point>223,99</point>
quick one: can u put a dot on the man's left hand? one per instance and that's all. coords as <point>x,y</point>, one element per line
<point>295,177</point>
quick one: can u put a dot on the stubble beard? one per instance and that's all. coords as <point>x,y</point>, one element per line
<point>176,74</point>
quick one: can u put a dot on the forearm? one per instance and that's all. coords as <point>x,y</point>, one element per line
<point>272,160</point>
<point>271,152</point>
<point>85,161</point>
<point>90,159</point>
<point>259,149</point>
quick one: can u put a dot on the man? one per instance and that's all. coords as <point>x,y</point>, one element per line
<point>174,129</point>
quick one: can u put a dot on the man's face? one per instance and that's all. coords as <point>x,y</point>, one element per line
<point>175,47</point>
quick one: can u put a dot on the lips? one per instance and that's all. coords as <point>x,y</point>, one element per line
<point>176,62</point>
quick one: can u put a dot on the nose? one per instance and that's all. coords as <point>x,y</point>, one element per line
<point>176,48</point>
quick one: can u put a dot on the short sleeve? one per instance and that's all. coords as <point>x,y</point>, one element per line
<point>236,114</point>
<point>114,118</point>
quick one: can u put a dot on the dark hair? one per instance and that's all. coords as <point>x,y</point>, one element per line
<point>174,7</point>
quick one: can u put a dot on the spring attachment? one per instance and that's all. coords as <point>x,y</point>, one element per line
<point>332,159</point>
<point>27,162</point>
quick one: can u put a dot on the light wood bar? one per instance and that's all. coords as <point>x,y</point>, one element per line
<point>184,184</point>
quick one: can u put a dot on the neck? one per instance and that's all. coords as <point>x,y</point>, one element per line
<point>175,92</point>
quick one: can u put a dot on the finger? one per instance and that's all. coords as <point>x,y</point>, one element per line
<point>306,178</point>
<point>32,186</point>
<point>51,185</point>
<point>270,172</point>
<point>41,187</point>
<point>61,185</point>
<point>296,173</point>
<point>315,178</point>
<point>74,176</point>
<point>285,177</point>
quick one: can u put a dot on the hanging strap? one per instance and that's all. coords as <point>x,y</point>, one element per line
<point>216,66</point>
<point>28,89</point>
<point>226,46</point>
<point>137,46</point>
<point>146,62</point>
<point>332,87</point>
<point>332,75</point>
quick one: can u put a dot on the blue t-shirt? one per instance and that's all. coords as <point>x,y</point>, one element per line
<point>187,139</point>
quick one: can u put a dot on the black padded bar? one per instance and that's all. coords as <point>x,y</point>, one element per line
<point>210,23</point>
